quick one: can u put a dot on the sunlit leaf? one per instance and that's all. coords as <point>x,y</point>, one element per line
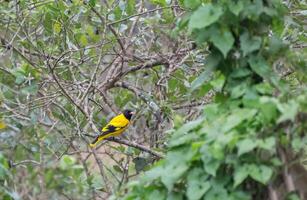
<point>208,12</point>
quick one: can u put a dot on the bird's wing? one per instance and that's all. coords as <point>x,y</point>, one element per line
<point>117,123</point>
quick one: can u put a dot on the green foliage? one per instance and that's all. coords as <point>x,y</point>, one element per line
<point>233,145</point>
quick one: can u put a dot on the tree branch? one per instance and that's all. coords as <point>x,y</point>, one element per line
<point>131,144</point>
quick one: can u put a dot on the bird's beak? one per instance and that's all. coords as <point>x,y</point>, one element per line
<point>132,113</point>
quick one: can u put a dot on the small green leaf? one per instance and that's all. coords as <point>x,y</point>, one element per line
<point>264,88</point>
<point>3,167</point>
<point>238,91</point>
<point>57,27</point>
<point>159,2</point>
<point>130,7</point>
<point>211,165</point>
<point>192,4</point>
<point>216,193</point>
<point>237,117</point>
<point>205,16</point>
<point>241,173</point>
<point>82,39</point>
<point>92,3</point>
<point>217,151</point>
<point>260,66</point>
<point>249,44</point>
<point>187,127</point>
<point>268,143</point>
<point>223,40</point>
<point>292,196</point>
<point>289,111</point>
<point>260,173</point>
<point>297,144</point>
<point>211,63</point>
<point>187,138</point>
<point>218,82</point>
<point>2,125</point>
<point>197,185</point>
<point>246,145</point>
<point>140,163</point>
<point>48,22</point>
<point>31,89</point>
<point>177,170</point>
<point>235,7</point>
<point>174,196</point>
<point>117,169</point>
<point>67,161</point>
<point>20,78</point>
<point>268,109</point>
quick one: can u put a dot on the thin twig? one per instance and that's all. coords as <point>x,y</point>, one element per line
<point>142,13</point>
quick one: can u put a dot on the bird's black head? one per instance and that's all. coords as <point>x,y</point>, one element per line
<point>128,114</point>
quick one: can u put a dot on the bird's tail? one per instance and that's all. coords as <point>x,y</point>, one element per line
<point>98,139</point>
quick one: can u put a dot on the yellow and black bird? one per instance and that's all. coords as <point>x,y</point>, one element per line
<point>115,127</point>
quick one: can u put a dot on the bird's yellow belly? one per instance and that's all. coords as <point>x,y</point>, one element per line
<point>117,133</point>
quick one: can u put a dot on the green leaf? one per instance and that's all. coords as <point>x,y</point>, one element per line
<point>260,66</point>
<point>155,172</point>
<point>187,127</point>
<point>159,2</point>
<point>260,173</point>
<point>130,7</point>
<point>210,165</point>
<point>48,22</point>
<point>264,88</point>
<point>217,151</point>
<point>67,161</point>
<point>211,63</point>
<point>292,196</point>
<point>31,89</point>
<point>197,185</point>
<point>92,3</point>
<point>216,193</point>
<point>268,108</point>
<point>155,194</point>
<point>249,44</point>
<point>268,143</point>
<point>117,169</point>
<point>140,163</point>
<point>188,138</point>
<point>237,116</point>
<point>20,78</point>
<point>2,124</point>
<point>297,144</point>
<point>176,165</point>
<point>289,111</point>
<point>253,10</point>
<point>177,171</point>
<point>205,16</point>
<point>3,167</point>
<point>174,196</point>
<point>218,81</point>
<point>241,173</point>
<point>83,40</point>
<point>246,145</point>
<point>238,91</point>
<point>57,27</point>
<point>223,40</point>
<point>235,7</point>
<point>240,72</point>
<point>192,4</point>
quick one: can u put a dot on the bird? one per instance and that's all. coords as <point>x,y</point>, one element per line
<point>115,127</point>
